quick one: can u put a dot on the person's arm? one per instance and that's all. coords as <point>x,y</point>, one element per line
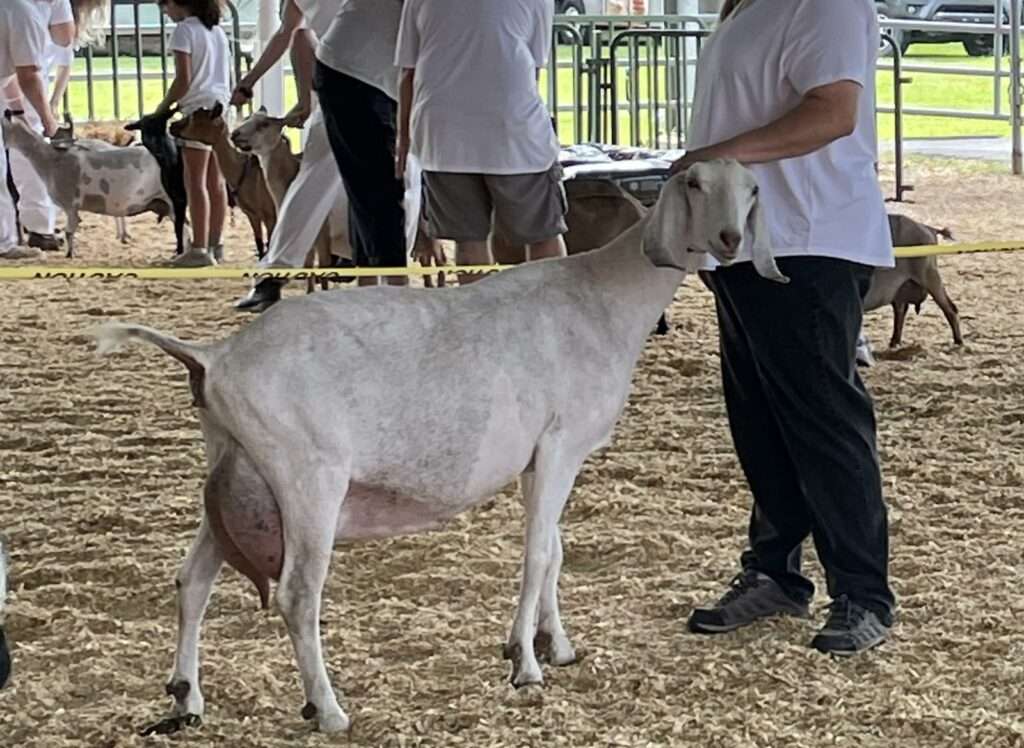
<point>405,89</point>
<point>291,19</point>
<point>825,114</point>
<point>60,85</point>
<point>303,62</point>
<point>407,52</point>
<point>63,34</point>
<point>182,80</point>
<point>32,88</point>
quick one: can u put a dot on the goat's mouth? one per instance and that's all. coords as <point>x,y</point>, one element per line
<point>241,144</point>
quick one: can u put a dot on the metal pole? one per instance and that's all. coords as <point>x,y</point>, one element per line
<point>1015,86</point>
<point>270,89</point>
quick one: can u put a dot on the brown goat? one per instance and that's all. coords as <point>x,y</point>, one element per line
<point>241,171</point>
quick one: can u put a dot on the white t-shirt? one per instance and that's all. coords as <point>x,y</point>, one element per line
<point>361,43</point>
<point>60,12</point>
<point>476,104</point>
<point>211,68</point>
<point>23,36</point>
<point>755,68</point>
<point>318,15</point>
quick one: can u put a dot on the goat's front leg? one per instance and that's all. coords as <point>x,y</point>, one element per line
<point>194,583</point>
<point>121,228</point>
<point>309,526</point>
<point>70,229</point>
<point>544,497</point>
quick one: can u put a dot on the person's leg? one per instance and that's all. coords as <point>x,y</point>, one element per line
<point>806,351</point>
<point>361,130</point>
<point>37,211</point>
<point>9,249</point>
<point>458,208</point>
<point>530,209</point>
<point>311,199</point>
<point>196,163</point>
<point>218,194</point>
<point>770,582</point>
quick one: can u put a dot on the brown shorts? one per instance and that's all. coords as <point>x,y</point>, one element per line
<point>526,208</point>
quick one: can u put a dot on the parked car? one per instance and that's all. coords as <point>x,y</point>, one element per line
<point>947,11</point>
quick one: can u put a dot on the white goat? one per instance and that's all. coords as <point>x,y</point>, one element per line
<point>121,181</point>
<point>314,436</point>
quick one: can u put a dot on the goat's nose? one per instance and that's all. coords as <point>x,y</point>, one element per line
<point>730,239</point>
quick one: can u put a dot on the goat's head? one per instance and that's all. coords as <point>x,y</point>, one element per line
<point>153,125</point>
<point>203,125</point>
<point>711,207</point>
<point>260,133</point>
<point>16,130</point>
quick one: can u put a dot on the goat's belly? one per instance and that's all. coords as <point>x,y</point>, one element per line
<point>370,512</point>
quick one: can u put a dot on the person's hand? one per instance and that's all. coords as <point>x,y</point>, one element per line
<point>686,161</point>
<point>401,156</point>
<point>298,115</point>
<point>242,93</point>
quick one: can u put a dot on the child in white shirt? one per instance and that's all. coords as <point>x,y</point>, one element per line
<point>202,79</point>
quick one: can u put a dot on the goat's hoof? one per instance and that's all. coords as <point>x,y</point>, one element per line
<point>172,724</point>
<point>554,651</point>
<point>524,672</point>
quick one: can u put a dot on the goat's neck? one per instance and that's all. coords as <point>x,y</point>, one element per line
<point>279,167</point>
<point>231,160</point>
<point>632,289</point>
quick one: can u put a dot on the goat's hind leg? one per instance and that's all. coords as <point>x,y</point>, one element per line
<point>545,494</point>
<point>310,515</point>
<point>194,584</point>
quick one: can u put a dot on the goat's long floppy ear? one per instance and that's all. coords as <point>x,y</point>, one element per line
<point>666,235</point>
<point>218,110</point>
<point>760,244</point>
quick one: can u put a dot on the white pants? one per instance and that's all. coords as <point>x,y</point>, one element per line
<point>38,213</point>
<point>317,193</point>
<point>8,219</point>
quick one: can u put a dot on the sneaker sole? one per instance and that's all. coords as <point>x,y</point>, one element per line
<point>846,653</point>
<point>703,628</point>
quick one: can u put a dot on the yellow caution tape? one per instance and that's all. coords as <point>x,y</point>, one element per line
<point>44,272</point>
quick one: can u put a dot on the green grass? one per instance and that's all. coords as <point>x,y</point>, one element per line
<point>926,90</point>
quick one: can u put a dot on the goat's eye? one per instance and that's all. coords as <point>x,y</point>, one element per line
<point>693,184</point>
<point>755,191</point>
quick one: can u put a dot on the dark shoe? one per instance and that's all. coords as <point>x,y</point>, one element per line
<point>342,262</point>
<point>45,242</point>
<point>851,628</point>
<point>751,597</point>
<point>263,295</point>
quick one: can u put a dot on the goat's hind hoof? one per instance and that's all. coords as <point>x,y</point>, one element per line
<point>170,725</point>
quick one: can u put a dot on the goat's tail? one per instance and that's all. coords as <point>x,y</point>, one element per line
<point>196,358</point>
<point>943,232</point>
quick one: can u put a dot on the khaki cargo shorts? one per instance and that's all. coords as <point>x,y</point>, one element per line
<point>526,208</point>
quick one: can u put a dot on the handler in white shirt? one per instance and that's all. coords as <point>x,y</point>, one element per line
<point>356,84</point>
<point>23,39</point>
<point>317,189</point>
<point>788,88</point>
<point>471,109</point>
<point>38,213</point>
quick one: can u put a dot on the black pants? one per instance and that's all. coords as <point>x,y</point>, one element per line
<point>804,425</point>
<point>361,128</point>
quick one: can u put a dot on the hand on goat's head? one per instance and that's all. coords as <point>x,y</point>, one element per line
<point>709,208</point>
<point>203,125</point>
<point>260,133</point>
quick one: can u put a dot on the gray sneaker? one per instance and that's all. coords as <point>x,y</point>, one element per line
<point>751,596</point>
<point>851,628</point>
